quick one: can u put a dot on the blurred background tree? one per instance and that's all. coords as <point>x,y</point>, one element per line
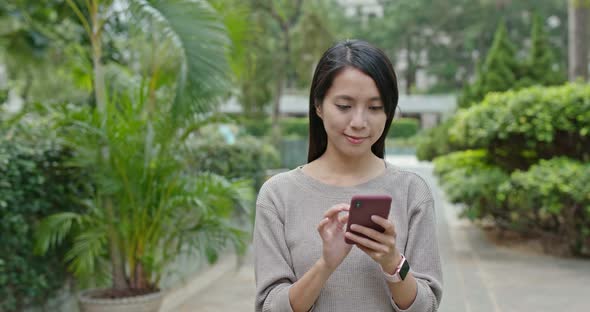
<point>447,39</point>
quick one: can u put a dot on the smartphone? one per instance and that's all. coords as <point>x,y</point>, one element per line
<point>362,207</point>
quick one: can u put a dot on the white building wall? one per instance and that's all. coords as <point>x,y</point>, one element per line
<point>363,7</point>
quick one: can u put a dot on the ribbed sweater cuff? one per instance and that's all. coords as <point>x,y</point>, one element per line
<point>278,300</point>
<point>422,303</point>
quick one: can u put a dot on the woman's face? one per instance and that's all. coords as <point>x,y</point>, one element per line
<point>353,114</point>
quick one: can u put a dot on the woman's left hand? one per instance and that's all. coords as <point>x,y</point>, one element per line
<point>382,248</point>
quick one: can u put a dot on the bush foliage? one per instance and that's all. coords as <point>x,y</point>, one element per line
<point>436,141</point>
<point>552,197</point>
<point>35,181</point>
<point>520,127</point>
<point>467,177</point>
<point>247,158</point>
<point>403,128</point>
<point>523,161</point>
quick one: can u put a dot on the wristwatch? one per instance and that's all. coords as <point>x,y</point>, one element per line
<point>400,272</point>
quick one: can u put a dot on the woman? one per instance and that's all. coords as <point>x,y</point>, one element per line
<point>302,261</point>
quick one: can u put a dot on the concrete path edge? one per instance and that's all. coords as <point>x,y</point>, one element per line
<point>191,286</point>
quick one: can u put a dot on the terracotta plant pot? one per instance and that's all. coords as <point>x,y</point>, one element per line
<point>143,303</point>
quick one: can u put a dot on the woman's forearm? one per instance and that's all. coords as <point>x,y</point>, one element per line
<point>306,290</point>
<point>404,293</point>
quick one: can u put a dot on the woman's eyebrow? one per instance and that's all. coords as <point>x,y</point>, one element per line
<point>350,98</point>
<point>344,97</point>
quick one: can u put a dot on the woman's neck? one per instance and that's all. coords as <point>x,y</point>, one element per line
<point>332,168</point>
<point>336,163</point>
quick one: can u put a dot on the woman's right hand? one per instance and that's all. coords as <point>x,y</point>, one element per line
<point>332,229</point>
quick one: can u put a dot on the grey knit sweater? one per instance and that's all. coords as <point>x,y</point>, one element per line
<point>286,243</point>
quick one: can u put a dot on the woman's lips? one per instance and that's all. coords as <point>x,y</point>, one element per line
<point>355,140</point>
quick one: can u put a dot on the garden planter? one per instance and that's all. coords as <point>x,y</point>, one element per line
<point>143,303</point>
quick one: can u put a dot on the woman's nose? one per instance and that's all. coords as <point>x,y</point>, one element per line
<point>359,119</point>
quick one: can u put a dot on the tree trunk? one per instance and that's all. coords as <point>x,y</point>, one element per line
<point>285,24</point>
<point>28,86</point>
<point>410,73</point>
<point>118,265</point>
<point>578,39</point>
<point>281,79</point>
<point>95,41</point>
<point>276,109</point>
<point>119,281</point>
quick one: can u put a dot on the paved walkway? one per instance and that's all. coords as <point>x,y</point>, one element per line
<point>478,276</point>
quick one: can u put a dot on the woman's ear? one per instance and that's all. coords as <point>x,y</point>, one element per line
<point>318,110</point>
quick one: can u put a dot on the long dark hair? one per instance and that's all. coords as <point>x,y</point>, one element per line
<point>369,60</point>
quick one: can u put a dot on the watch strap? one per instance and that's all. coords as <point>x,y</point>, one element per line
<point>400,273</point>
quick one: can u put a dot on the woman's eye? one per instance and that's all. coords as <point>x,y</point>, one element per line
<point>376,107</point>
<point>342,107</point>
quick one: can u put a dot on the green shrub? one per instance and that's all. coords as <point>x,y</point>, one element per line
<point>295,127</point>
<point>403,128</point>
<point>248,158</point>
<point>436,142</point>
<point>518,128</point>
<point>552,197</point>
<point>258,127</point>
<point>35,181</point>
<point>468,178</point>
<point>262,126</point>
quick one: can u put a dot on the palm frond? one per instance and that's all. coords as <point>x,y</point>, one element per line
<point>237,16</point>
<point>196,29</point>
<point>53,229</point>
<point>89,246</point>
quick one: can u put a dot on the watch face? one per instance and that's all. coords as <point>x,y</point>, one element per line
<point>404,270</point>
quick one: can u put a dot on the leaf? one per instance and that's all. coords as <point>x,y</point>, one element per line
<point>212,254</point>
<point>201,37</point>
<point>88,247</point>
<point>53,229</point>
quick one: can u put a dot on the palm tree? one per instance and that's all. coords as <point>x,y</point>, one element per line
<point>141,215</point>
<point>194,28</point>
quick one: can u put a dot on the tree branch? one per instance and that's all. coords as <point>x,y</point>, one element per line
<point>270,9</point>
<point>293,20</point>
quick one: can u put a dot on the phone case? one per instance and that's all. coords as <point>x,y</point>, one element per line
<point>362,207</point>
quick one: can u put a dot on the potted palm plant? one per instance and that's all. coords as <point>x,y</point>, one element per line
<point>147,208</point>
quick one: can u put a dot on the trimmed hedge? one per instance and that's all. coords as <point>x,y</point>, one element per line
<point>258,127</point>
<point>518,128</point>
<point>248,158</point>
<point>295,127</point>
<point>403,128</point>
<point>467,177</point>
<point>436,142</point>
<point>262,127</point>
<point>552,197</point>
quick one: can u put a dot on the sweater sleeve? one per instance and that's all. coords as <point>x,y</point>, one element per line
<point>273,265</point>
<point>422,253</point>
